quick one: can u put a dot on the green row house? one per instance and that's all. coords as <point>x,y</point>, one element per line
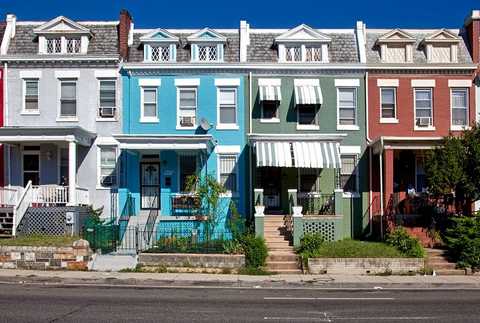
<point>307,133</point>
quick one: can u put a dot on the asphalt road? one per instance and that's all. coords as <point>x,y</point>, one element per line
<point>27,303</point>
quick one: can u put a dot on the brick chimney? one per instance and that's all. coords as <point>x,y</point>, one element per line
<point>472,26</point>
<point>124,34</point>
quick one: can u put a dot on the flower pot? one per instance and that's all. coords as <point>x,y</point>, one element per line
<point>259,210</point>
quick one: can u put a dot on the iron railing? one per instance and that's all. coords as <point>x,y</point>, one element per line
<point>317,203</point>
<point>185,204</point>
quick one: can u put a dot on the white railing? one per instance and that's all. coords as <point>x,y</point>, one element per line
<point>8,196</point>
<point>24,202</point>
<point>83,197</point>
<point>50,194</point>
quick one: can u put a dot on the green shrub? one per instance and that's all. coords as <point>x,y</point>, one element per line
<point>310,244</point>
<point>407,245</point>
<point>349,248</point>
<point>232,247</point>
<point>255,250</point>
<point>463,241</point>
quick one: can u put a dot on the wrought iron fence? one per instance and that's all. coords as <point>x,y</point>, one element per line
<point>317,204</point>
<point>104,237</point>
<point>185,204</point>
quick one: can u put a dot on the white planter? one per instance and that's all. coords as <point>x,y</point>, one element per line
<point>297,211</point>
<point>259,210</point>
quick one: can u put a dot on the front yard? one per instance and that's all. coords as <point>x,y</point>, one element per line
<point>40,241</point>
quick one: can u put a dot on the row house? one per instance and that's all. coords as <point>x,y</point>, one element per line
<point>62,96</point>
<point>420,86</point>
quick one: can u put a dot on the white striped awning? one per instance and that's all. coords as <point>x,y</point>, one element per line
<point>308,94</point>
<point>299,154</point>
<point>270,93</point>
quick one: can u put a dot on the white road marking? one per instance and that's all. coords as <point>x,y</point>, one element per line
<point>386,318</point>
<point>330,298</point>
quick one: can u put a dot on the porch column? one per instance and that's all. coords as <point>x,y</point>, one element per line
<point>388,175</point>
<point>72,173</point>
<point>292,199</point>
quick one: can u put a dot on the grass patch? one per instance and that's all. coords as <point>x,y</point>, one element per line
<point>253,271</point>
<point>40,241</point>
<point>356,249</point>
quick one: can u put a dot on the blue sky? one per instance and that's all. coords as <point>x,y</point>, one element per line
<point>259,13</point>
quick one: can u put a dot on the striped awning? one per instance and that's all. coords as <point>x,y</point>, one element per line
<point>299,154</point>
<point>308,94</point>
<point>270,93</point>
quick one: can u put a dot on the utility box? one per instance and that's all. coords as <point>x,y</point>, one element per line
<point>72,222</point>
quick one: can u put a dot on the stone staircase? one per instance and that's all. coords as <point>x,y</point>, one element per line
<point>281,256</point>
<point>438,261</point>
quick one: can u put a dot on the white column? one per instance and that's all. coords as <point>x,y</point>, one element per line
<point>72,173</point>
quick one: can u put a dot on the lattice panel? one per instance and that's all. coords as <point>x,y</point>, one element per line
<point>48,220</point>
<point>325,228</point>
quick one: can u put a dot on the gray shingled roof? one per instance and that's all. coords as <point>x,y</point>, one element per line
<point>419,56</point>
<point>231,52</point>
<point>2,29</point>
<point>342,49</point>
<point>103,42</point>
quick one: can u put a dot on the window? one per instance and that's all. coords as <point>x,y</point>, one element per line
<point>313,54</point>
<point>423,107</point>
<point>160,53</point>
<point>459,103</point>
<point>228,172</point>
<point>441,54</point>
<point>347,106</point>
<point>348,173</point>
<point>54,45</point>
<point>388,102</point>
<point>395,54</point>
<point>68,98</point>
<point>307,114</point>
<point>60,45</point>
<point>187,107</point>
<point>149,104</point>
<point>188,167</point>
<point>293,53</point>
<point>309,179</point>
<point>63,156</point>
<point>227,106</point>
<point>208,53</point>
<point>73,45</point>
<point>269,110</point>
<point>107,98</point>
<point>303,53</point>
<point>30,95</point>
<point>108,161</point>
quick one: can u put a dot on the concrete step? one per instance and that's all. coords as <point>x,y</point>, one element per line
<point>286,249</point>
<point>450,272</point>
<point>112,262</point>
<point>277,243</point>
<point>274,257</point>
<point>435,252</point>
<point>442,265</point>
<point>288,271</point>
<point>276,239</point>
<point>282,265</point>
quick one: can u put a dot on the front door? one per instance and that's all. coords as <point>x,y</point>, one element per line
<point>150,185</point>
<point>31,167</point>
<point>271,183</point>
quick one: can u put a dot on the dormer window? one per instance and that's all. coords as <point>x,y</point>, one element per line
<point>302,44</point>
<point>396,46</point>
<point>441,47</point>
<point>62,36</point>
<point>207,46</point>
<point>159,46</point>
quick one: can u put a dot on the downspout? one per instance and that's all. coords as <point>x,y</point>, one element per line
<point>370,177</point>
<point>250,171</point>
<point>5,118</point>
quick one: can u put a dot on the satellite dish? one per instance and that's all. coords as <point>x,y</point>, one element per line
<point>205,125</point>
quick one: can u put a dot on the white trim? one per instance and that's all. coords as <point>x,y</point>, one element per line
<point>187,82</point>
<point>460,83</point>
<point>144,119</point>
<point>111,73</point>
<point>237,180</point>
<point>350,150</point>
<point>227,82</point>
<point>227,149</point>
<point>99,165</point>
<point>306,82</point>
<point>423,83</point>
<point>182,87</point>
<point>67,74</point>
<point>117,99</point>
<point>24,92</point>
<point>269,82</point>
<point>227,126</point>
<point>272,120</point>
<point>149,82</point>
<point>347,82</point>
<point>35,153</point>
<point>307,127</point>
<point>347,127</point>
<point>106,141</point>
<point>415,127</point>
<point>389,120</point>
<point>355,172</point>
<point>467,96</point>
<point>61,118</point>
<point>387,82</point>
<point>166,146</point>
<point>33,74</point>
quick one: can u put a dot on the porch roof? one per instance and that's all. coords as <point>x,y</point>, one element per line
<point>164,142</point>
<point>20,134</point>
<point>300,151</point>
<point>399,142</point>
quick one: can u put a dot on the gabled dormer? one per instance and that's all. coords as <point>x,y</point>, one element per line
<point>441,47</point>
<point>62,36</point>
<point>396,46</point>
<point>159,46</point>
<point>302,44</point>
<point>207,46</point>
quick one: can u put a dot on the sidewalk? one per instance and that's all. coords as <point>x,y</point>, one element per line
<point>148,280</point>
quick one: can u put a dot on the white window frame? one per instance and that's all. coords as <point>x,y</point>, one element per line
<point>283,48</point>
<point>355,194</point>
<point>459,127</point>
<point>342,126</point>
<point>395,103</point>
<point>24,96</point>
<point>61,118</point>
<point>179,89</point>
<point>227,126</point>
<point>275,119</point>
<point>219,54</point>
<point>143,118</point>
<point>99,116</point>
<point>237,177</point>
<point>81,39</point>
<point>169,46</point>
<point>431,127</point>
<point>315,126</point>
<point>99,167</point>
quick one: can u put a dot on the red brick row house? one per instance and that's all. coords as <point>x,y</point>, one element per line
<point>421,87</point>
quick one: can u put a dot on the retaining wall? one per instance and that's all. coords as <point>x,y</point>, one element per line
<point>364,266</point>
<point>192,260</point>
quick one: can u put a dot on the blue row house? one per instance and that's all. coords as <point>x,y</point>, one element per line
<point>183,115</point>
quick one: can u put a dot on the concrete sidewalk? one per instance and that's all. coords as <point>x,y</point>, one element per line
<point>219,280</point>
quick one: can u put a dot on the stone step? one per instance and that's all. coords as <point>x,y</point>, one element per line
<point>450,272</point>
<point>274,257</point>
<point>276,239</point>
<point>277,243</point>
<point>436,252</point>
<point>288,271</point>
<point>437,258</point>
<point>442,265</point>
<point>282,265</point>
<point>281,249</point>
